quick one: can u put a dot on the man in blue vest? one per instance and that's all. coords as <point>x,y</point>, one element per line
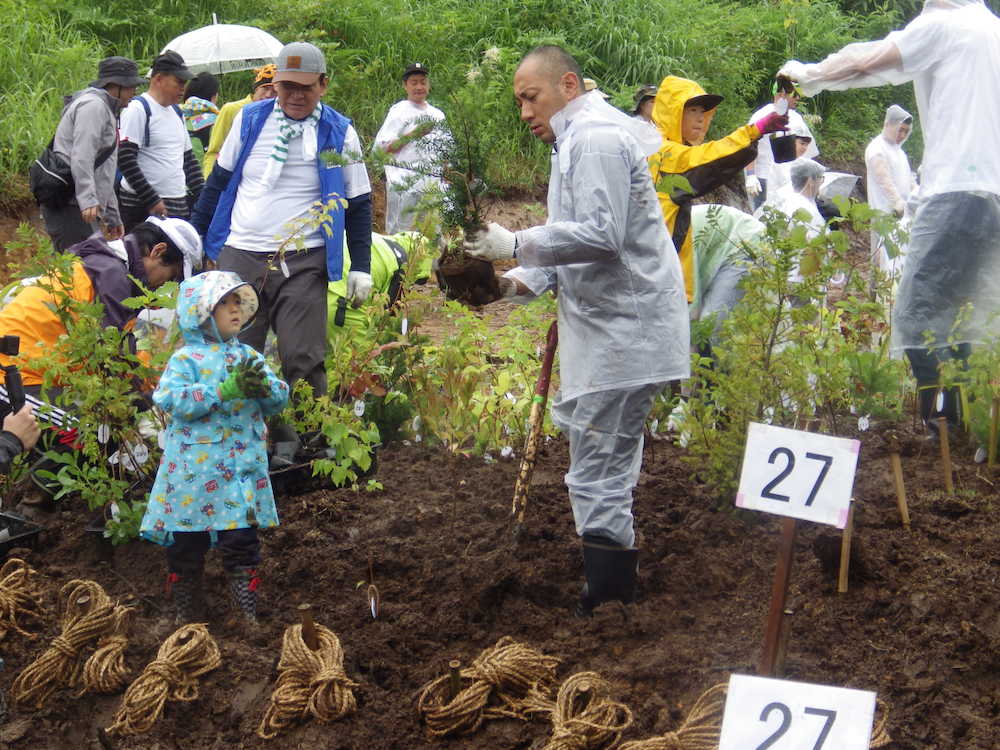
<point>281,157</point>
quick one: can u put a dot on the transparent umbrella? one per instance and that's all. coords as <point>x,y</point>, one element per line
<point>224,47</point>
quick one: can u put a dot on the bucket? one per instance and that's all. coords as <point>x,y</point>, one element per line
<point>783,148</point>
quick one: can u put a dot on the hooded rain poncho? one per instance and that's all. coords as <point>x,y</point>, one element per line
<point>214,472</point>
<point>890,180</point>
<point>705,166</point>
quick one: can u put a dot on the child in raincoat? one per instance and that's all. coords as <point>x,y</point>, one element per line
<point>683,112</point>
<point>212,486</point>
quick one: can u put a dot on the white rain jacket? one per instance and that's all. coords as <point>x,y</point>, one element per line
<point>890,180</point>
<point>951,53</point>
<point>623,319</point>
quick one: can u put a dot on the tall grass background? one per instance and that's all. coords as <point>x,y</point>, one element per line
<point>732,47</point>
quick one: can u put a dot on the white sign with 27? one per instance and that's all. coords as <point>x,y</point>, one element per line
<point>766,714</point>
<point>799,474</point>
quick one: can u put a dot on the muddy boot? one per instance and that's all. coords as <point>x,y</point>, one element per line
<point>186,590</point>
<point>243,584</point>
<point>936,402</point>
<point>285,446</point>
<point>611,572</point>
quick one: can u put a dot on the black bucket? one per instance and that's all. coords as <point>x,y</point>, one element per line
<point>783,148</point>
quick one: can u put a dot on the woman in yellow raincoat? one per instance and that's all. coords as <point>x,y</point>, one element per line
<point>682,112</point>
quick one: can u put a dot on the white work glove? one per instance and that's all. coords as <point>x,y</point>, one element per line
<point>794,71</point>
<point>496,243</point>
<point>359,286</point>
<point>754,187</point>
<point>899,208</point>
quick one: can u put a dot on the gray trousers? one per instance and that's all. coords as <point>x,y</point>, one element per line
<point>65,225</point>
<point>605,455</point>
<point>722,295</point>
<point>293,306</point>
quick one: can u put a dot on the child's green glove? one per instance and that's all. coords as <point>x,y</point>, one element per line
<point>246,380</point>
<point>230,387</point>
<point>252,379</point>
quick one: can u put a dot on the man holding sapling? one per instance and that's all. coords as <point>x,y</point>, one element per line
<point>949,292</point>
<point>406,135</point>
<point>623,320</point>
<point>281,157</point>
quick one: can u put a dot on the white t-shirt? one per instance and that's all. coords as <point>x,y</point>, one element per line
<point>401,119</point>
<point>162,161</point>
<point>953,57</point>
<point>261,217</point>
<point>765,159</point>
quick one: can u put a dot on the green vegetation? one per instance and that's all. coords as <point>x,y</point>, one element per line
<point>732,48</point>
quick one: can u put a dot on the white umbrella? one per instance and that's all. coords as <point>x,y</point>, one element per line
<point>224,47</point>
<point>837,184</point>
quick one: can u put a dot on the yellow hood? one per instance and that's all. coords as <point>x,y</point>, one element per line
<point>668,106</point>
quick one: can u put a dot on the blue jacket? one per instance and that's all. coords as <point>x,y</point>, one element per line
<point>214,472</point>
<point>331,132</point>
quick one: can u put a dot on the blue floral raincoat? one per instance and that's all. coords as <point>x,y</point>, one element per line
<point>214,472</point>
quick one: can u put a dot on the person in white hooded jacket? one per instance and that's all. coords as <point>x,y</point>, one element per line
<point>890,180</point>
<point>623,320</point>
<point>950,286</point>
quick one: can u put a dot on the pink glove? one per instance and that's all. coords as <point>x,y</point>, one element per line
<point>772,123</point>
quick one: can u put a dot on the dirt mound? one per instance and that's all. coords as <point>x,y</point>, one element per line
<point>920,625</point>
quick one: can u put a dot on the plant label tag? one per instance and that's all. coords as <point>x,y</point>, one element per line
<point>782,715</point>
<point>359,408</point>
<point>404,326</point>
<point>103,433</point>
<point>799,474</point>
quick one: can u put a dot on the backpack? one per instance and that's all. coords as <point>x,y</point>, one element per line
<point>51,179</point>
<point>145,134</point>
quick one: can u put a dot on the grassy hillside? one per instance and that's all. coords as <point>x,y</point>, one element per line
<point>732,48</point>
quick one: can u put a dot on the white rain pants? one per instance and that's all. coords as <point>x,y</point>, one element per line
<point>605,455</point>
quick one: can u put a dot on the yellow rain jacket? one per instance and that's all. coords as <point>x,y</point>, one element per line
<point>705,167</point>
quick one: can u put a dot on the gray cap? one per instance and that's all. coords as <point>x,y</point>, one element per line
<point>300,62</point>
<point>118,70</point>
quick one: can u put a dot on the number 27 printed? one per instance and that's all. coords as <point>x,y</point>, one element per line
<point>769,489</point>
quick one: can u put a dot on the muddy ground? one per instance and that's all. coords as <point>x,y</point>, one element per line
<point>920,624</point>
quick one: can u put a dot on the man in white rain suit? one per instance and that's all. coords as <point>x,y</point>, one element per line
<point>623,321</point>
<point>950,287</point>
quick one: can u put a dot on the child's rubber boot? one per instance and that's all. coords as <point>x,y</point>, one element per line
<point>187,592</point>
<point>243,583</point>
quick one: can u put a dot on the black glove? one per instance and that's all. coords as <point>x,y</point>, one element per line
<point>252,379</point>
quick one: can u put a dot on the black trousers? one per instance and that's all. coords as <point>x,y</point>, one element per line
<point>240,548</point>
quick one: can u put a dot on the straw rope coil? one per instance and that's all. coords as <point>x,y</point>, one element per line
<point>184,656</point>
<point>494,686</point>
<point>105,670</point>
<point>584,717</point>
<point>880,735</point>
<point>20,596</point>
<point>88,616</point>
<point>700,730</point>
<point>310,683</point>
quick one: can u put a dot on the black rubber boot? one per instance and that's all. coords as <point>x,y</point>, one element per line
<point>285,446</point>
<point>243,584</point>
<point>950,403</point>
<point>611,572</point>
<point>186,590</point>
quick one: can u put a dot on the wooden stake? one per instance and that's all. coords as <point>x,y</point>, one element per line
<point>949,487</point>
<point>994,428</point>
<point>779,593</point>
<point>535,421</point>
<point>845,551</point>
<point>454,678</point>
<point>897,476</point>
<point>308,627</point>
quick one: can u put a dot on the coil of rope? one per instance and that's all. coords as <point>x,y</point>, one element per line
<point>88,616</point>
<point>20,596</point>
<point>497,684</point>
<point>183,657</point>
<point>310,683</point>
<point>584,717</point>
<point>700,730</point>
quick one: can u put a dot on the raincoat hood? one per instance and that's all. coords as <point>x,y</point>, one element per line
<point>895,116</point>
<point>198,297</point>
<point>933,5</point>
<point>668,107</point>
